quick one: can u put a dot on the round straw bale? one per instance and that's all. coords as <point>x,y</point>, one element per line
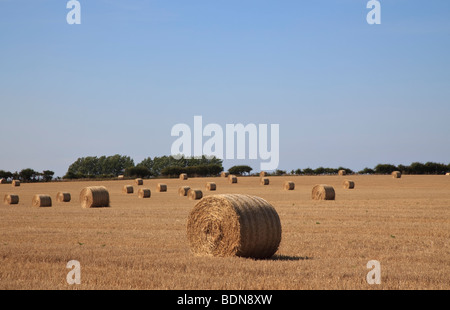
<point>262,174</point>
<point>396,174</point>
<point>120,177</point>
<point>289,186</point>
<point>127,189</point>
<point>41,201</point>
<point>342,172</point>
<point>63,197</point>
<point>194,194</point>
<point>15,183</point>
<point>211,186</point>
<point>144,193</point>
<point>183,176</point>
<point>232,179</point>
<point>3,181</point>
<point>448,173</point>
<point>349,184</point>
<point>224,174</point>
<point>264,181</point>
<point>183,190</point>
<point>161,187</point>
<point>11,199</point>
<point>94,197</point>
<point>234,225</point>
<point>139,182</point>
<point>323,192</point>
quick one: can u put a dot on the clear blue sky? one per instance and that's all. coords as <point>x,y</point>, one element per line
<point>344,92</point>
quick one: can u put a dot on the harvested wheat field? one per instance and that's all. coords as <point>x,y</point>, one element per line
<point>142,243</point>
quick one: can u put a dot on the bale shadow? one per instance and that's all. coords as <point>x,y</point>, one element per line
<point>288,258</point>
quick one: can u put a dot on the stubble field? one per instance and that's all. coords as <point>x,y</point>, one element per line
<point>141,243</point>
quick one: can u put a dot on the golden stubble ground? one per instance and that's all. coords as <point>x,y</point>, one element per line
<point>141,243</point>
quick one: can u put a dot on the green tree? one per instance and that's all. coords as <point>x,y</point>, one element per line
<point>27,175</point>
<point>47,175</point>
<point>240,170</point>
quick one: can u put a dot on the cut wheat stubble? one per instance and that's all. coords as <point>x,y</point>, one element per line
<point>234,225</point>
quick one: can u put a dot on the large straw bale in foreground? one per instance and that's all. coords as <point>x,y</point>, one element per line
<point>234,225</point>
<point>94,197</point>
<point>41,201</point>
<point>323,192</point>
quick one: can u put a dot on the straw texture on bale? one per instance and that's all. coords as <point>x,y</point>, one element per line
<point>234,225</point>
<point>139,182</point>
<point>41,201</point>
<point>127,189</point>
<point>211,186</point>
<point>323,192</point>
<point>2,181</point>
<point>183,176</point>
<point>11,199</point>
<point>396,174</point>
<point>232,179</point>
<point>183,190</point>
<point>161,187</point>
<point>144,193</point>
<point>289,186</point>
<point>342,172</point>
<point>94,197</point>
<point>348,184</point>
<point>224,174</point>
<point>195,194</point>
<point>15,183</point>
<point>63,197</point>
<point>264,181</point>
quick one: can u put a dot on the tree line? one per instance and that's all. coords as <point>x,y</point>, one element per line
<point>113,166</point>
<point>170,166</point>
<point>28,175</point>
